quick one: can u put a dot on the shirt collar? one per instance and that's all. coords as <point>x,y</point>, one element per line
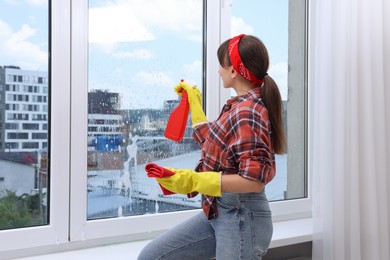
<point>254,93</point>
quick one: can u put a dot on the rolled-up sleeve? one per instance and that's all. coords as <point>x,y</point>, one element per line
<point>250,144</point>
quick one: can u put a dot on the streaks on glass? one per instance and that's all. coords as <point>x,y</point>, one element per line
<point>120,143</point>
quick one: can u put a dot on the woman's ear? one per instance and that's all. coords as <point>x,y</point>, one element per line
<point>233,72</point>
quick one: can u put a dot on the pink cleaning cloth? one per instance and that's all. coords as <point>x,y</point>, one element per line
<point>155,171</point>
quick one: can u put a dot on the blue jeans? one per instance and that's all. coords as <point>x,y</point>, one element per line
<point>243,230</point>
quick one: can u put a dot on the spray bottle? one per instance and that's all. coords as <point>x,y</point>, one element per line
<point>178,119</point>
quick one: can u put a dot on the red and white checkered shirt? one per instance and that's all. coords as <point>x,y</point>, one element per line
<point>238,142</point>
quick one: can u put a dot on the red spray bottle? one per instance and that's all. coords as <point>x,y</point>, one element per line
<point>178,119</point>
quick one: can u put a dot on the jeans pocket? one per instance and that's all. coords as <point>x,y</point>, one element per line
<point>262,229</point>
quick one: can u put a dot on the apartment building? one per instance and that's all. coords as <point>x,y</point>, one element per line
<point>23,109</point>
<point>104,119</point>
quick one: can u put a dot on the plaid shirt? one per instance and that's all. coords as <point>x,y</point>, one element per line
<point>238,142</point>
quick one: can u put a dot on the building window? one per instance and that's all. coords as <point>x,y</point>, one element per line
<point>12,126</point>
<point>30,145</point>
<point>11,145</point>
<point>39,117</point>
<point>29,126</point>
<point>39,135</point>
<point>31,107</point>
<point>12,107</point>
<point>32,89</point>
<point>14,88</point>
<point>17,135</point>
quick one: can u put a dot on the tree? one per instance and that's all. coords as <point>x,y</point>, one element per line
<point>17,211</point>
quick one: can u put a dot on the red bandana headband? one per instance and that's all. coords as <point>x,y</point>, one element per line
<point>236,61</point>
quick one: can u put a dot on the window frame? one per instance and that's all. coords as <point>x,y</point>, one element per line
<point>291,208</point>
<point>56,232</point>
<point>134,227</point>
<point>68,227</point>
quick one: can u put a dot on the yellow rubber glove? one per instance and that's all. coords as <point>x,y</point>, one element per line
<point>185,181</point>
<point>195,101</point>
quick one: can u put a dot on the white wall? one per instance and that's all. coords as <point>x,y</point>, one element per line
<point>17,177</point>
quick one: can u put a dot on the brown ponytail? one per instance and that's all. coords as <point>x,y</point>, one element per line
<point>273,102</point>
<point>254,56</point>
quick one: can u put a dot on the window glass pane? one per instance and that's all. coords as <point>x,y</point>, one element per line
<point>272,27</point>
<point>24,45</point>
<point>138,52</point>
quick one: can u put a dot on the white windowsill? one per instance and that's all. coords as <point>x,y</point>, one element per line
<point>292,232</point>
<point>285,233</point>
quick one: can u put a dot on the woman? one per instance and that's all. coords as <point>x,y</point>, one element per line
<point>238,160</point>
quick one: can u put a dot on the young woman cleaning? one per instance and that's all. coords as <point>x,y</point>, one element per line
<point>237,161</point>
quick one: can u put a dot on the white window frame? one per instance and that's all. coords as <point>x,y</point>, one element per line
<point>133,228</point>
<point>69,227</point>
<point>56,232</point>
<point>298,177</point>
<point>286,209</point>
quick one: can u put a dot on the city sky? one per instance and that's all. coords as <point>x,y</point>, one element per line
<point>141,49</point>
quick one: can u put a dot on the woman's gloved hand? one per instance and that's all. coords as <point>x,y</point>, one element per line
<point>194,100</point>
<point>185,181</point>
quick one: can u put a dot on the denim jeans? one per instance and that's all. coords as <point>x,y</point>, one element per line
<point>243,230</point>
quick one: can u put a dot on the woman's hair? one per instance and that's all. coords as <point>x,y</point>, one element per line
<point>254,56</point>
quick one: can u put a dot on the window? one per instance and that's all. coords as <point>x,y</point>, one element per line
<point>39,136</point>
<point>285,50</point>
<point>11,126</point>
<point>22,203</point>
<point>30,107</point>
<point>14,116</point>
<point>11,145</point>
<point>105,117</point>
<point>30,126</point>
<point>295,179</point>
<point>31,145</point>
<point>128,98</point>
<point>17,135</point>
<point>14,107</point>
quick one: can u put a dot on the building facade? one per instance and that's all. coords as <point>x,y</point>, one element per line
<point>23,109</point>
<point>104,120</point>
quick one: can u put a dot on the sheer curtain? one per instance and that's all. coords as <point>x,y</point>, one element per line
<point>350,128</point>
